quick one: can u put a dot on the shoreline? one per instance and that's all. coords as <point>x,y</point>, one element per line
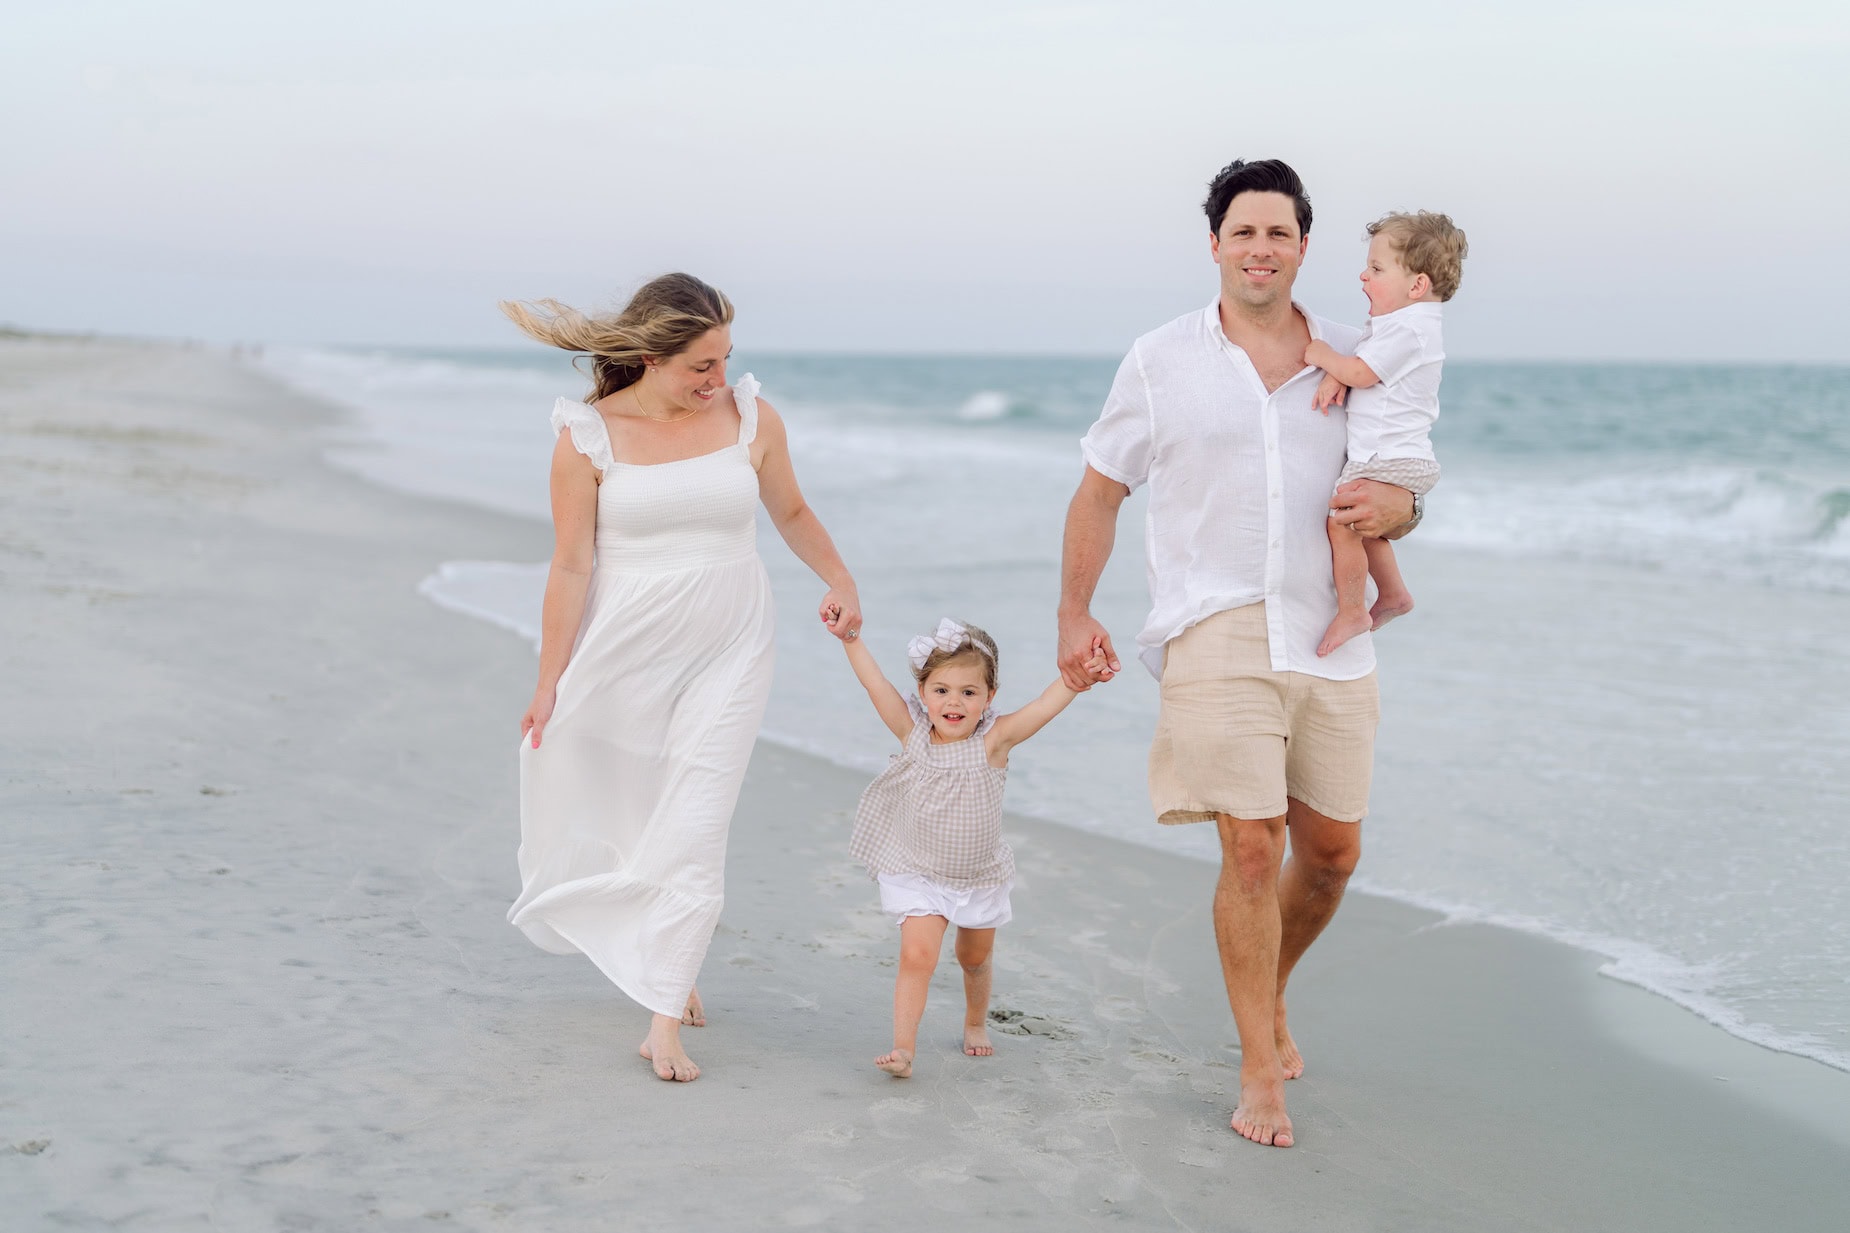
<point>263,835</point>
<point>1626,961</point>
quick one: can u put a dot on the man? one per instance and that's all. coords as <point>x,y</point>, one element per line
<point>1256,733</point>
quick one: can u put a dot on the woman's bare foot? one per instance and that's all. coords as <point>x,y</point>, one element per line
<point>898,1063</point>
<point>1391,605</point>
<point>695,1015</point>
<point>1346,626</point>
<point>663,1051</point>
<point>1261,1116</point>
<point>1289,1058</point>
<point>976,1041</point>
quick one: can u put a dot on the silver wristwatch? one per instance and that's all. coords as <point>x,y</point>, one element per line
<point>1419,512</point>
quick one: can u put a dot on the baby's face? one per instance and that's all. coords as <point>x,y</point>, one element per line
<point>1385,281</point>
<point>955,696</point>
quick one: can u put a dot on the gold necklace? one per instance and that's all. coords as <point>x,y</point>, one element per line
<point>673,419</point>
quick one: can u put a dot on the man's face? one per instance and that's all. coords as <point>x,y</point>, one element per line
<point>1258,249</point>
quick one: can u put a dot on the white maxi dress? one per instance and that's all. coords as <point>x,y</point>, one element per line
<point>625,806</point>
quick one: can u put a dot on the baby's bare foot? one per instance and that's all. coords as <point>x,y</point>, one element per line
<point>1387,607</point>
<point>976,1041</point>
<point>671,1062</point>
<point>1343,628</point>
<point>898,1063</point>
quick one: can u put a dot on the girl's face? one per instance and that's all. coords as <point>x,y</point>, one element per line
<point>955,695</point>
<point>689,380</point>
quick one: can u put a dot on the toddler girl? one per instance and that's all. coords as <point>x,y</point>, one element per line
<point>929,829</point>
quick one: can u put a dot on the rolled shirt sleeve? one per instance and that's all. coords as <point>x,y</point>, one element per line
<point>1392,349</point>
<point>1118,444</point>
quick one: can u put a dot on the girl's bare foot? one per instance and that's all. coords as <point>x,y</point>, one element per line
<point>1346,626</point>
<point>695,1015</point>
<point>1389,606</point>
<point>898,1063</point>
<point>976,1041</point>
<point>663,1051</point>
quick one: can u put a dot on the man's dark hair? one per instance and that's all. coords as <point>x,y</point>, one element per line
<point>1268,175</point>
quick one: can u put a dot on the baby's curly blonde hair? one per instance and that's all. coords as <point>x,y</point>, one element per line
<point>1429,244</point>
<point>977,645</point>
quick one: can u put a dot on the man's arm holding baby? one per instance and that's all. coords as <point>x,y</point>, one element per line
<point>888,701</point>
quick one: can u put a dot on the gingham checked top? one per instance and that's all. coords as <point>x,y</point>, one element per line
<point>936,810</point>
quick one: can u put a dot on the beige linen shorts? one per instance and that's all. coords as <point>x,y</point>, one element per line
<point>1235,737</point>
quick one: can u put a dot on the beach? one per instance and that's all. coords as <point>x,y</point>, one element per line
<point>259,824</point>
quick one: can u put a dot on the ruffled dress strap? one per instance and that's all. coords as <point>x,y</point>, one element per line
<point>590,436</point>
<point>745,398</point>
<point>920,736</point>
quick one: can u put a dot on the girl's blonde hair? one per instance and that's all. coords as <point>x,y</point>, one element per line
<point>977,644</point>
<point>663,318</point>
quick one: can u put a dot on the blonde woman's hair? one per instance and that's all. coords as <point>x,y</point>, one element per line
<point>663,318</point>
<point>1428,244</point>
<point>977,645</point>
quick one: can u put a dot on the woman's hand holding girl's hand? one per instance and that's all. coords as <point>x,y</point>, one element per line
<point>841,613</point>
<point>539,714</point>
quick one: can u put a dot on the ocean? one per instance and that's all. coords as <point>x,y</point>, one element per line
<point>1618,717</point>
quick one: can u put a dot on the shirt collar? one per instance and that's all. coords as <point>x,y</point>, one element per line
<point>1425,308</point>
<point>1210,321</point>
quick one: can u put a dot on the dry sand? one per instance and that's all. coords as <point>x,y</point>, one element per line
<point>257,809</point>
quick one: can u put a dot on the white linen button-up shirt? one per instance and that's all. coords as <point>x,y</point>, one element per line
<point>1240,484</point>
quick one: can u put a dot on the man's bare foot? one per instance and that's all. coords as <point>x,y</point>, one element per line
<point>898,1063</point>
<point>1289,1059</point>
<point>695,1015</point>
<point>1261,1116</point>
<point>671,1062</point>
<point>1346,626</point>
<point>1387,607</point>
<point>976,1041</point>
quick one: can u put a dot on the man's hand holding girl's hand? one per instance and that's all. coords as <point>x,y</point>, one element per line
<point>1085,656</point>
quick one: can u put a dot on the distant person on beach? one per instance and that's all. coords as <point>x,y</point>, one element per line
<point>1256,732</point>
<point>655,657</point>
<point>1414,265</point>
<point>929,828</point>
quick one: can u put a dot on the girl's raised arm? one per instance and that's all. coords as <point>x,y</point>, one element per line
<point>1015,727</point>
<point>888,701</point>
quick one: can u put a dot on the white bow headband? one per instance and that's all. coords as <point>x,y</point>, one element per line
<point>949,636</point>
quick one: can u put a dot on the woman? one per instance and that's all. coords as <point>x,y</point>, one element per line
<point>655,654</point>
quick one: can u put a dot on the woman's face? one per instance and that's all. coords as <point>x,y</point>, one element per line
<point>690,379</point>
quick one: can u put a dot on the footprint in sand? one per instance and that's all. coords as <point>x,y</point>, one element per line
<point>1016,1023</point>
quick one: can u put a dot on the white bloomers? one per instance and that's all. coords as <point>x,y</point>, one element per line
<point>914,894</point>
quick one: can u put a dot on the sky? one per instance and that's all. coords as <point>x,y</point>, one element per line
<point>1638,180</point>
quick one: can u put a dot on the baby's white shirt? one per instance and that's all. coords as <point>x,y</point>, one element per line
<point>1393,418</point>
